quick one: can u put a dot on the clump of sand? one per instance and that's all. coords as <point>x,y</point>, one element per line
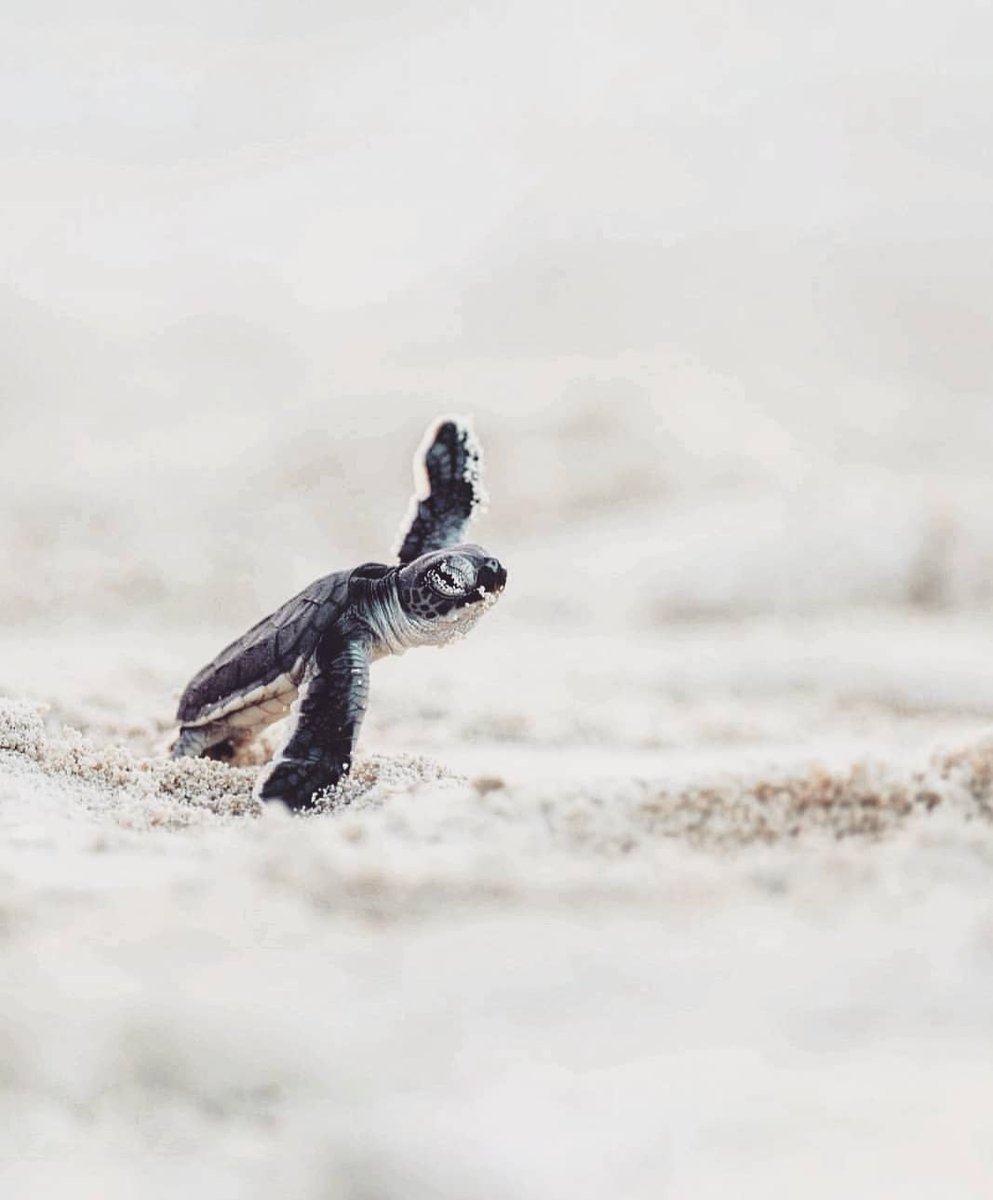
<point>866,800</point>
<point>142,791</point>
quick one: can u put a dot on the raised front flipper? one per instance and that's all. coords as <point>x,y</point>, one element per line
<point>325,723</point>
<point>448,478</point>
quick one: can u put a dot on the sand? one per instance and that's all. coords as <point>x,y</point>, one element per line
<point>673,879</point>
<point>535,947</point>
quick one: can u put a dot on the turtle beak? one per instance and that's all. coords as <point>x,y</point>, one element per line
<point>492,577</point>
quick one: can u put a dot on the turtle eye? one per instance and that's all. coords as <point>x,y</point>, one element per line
<point>447,580</point>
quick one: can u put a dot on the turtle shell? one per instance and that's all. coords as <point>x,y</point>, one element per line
<point>263,667</point>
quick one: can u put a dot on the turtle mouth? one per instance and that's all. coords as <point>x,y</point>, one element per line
<point>491,579</point>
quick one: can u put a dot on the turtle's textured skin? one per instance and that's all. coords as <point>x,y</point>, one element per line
<point>310,658</point>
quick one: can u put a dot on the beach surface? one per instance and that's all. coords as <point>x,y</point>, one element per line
<point>694,908</point>
<point>673,879</point>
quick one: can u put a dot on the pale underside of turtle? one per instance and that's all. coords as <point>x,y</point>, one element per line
<point>309,660</point>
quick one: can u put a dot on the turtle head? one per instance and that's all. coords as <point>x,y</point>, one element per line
<point>446,591</point>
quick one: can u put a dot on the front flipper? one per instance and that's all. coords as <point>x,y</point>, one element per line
<point>448,494</point>
<point>325,723</point>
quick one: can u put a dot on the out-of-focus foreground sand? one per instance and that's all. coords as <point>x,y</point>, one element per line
<point>674,878</point>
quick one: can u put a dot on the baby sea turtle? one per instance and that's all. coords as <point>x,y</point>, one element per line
<point>310,658</point>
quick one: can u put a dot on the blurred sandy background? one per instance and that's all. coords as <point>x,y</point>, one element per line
<point>690,897</point>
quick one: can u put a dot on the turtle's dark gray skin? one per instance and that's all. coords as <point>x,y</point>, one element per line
<point>310,658</point>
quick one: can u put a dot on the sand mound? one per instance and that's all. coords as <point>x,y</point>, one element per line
<point>146,792</point>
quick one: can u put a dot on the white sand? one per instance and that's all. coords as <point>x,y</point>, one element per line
<point>740,948</point>
<point>673,880</point>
